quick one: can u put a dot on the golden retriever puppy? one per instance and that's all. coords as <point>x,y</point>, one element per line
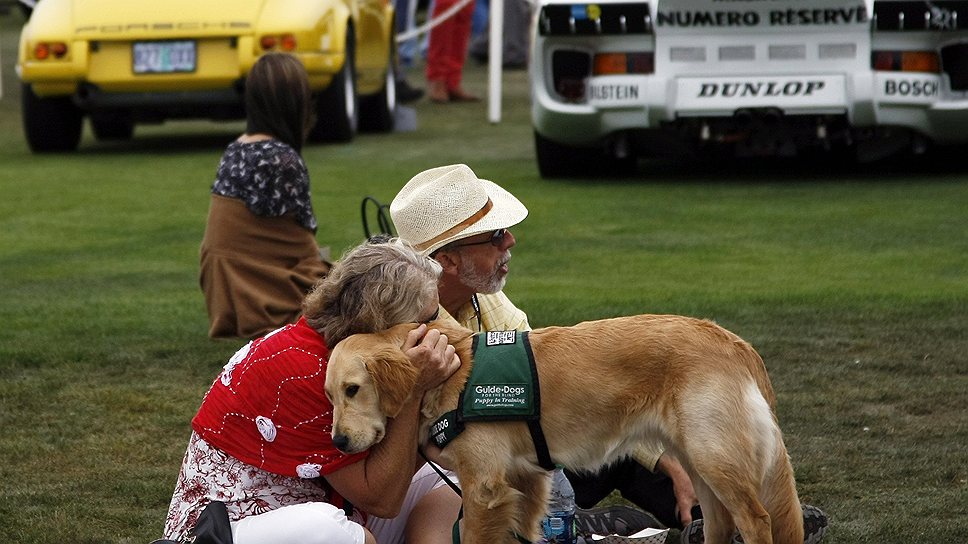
<point>697,388</point>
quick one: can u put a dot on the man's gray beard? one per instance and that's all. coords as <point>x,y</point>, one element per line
<point>481,283</point>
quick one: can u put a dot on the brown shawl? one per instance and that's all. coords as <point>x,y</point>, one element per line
<point>255,270</point>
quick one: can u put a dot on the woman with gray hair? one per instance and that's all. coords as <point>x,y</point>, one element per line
<point>374,287</point>
<point>261,440</point>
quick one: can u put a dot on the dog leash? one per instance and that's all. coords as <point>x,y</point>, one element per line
<point>450,483</point>
<point>455,532</point>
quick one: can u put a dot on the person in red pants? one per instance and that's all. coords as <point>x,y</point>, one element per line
<point>446,52</point>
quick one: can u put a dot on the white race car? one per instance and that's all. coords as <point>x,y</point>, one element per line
<point>616,79</point>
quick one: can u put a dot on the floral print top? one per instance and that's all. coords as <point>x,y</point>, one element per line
<point>270,177</point>
<point>209,474</point>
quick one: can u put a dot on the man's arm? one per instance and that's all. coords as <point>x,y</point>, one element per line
<point>681,486</point>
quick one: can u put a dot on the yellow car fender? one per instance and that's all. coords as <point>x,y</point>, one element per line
<point>47,24</point>
<point>322,51</point>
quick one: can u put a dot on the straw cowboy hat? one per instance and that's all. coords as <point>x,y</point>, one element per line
<point>449,203</point>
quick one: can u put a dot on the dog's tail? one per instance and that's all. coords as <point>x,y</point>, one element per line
<point>779,493</point>
<point>757,369</point>
<point>781,500</point>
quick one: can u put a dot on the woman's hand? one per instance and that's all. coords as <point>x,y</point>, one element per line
<point>429,351</point>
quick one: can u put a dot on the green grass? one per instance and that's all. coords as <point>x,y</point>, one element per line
<point>852,283</point>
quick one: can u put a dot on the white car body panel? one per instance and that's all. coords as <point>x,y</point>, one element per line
<point>716,60</point>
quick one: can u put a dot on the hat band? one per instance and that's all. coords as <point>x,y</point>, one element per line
<point>458,227</point>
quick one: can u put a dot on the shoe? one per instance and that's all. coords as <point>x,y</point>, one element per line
<point>437,91</point>
<point>618,520</point>
<point>692,533</point>
<point>460,95</point>
<point>815,524</point>
<point>407,93</point>
<point>814,528</point>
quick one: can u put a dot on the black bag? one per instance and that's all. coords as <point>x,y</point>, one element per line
<point>212,526</point>
<point>382,216</point>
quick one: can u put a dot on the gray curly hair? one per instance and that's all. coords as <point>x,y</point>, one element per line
<point>374,286</point>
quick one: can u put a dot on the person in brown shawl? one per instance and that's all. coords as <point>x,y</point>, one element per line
<point>259,255</point>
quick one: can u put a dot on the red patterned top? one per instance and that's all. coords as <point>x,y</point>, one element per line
<point>268,407</point>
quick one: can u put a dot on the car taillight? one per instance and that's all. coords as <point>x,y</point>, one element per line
<point>623,63</point>
<point>46,50</point>
<point>906,61</point>
<point>569,70</point>
<point>284,42</point>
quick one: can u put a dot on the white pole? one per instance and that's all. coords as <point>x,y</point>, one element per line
<point>1,73</point>
<point>495,44</point>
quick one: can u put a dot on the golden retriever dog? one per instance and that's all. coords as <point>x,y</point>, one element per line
<point>606,387</point>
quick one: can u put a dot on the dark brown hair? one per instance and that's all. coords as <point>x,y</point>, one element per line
<point>278,101</point>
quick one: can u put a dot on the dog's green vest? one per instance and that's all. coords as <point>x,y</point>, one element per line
<point>502,386</point>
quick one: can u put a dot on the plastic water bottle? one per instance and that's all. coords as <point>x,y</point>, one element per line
<point>558,526</point>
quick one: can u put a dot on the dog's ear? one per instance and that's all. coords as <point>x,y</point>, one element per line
<point>394,378</point>
<point>455,332</point>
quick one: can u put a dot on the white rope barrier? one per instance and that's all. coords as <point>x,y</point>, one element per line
<point>426,27</point>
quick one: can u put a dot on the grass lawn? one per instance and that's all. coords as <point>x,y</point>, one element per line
<point>852,283</point>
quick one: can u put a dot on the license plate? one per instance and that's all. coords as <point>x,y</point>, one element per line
<point>164,57</point>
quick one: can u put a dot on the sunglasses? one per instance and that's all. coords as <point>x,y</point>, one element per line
<point>433,317</point>
<point>496,239</point>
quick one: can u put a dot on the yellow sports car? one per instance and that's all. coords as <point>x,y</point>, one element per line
<point>122,62</point>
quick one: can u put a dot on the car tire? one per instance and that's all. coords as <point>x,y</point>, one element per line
<point>563,161</point>
<point>51,124</point>
<point>112,127</point>
<point>337,111</point>
<point>378,111</point>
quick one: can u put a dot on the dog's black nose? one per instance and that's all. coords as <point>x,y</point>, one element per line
<point>341,441</point>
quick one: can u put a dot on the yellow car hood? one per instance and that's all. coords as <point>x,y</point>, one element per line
<point>108,19</point>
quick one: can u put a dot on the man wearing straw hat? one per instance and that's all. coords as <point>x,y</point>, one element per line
<point>463,222</point>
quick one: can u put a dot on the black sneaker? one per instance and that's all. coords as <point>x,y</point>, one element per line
<point>692,533</point>
<point>814,524</point>
<point>609,520</point>
<point>406,93</point>
<point>814,528</point>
